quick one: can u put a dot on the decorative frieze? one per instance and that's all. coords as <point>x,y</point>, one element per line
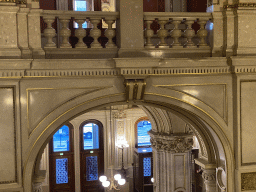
<point>175,144</point>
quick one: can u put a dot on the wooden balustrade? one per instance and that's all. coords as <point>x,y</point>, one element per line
<point>67,18</point>
<point>176,19</point>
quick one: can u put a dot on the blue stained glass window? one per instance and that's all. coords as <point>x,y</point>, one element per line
<point>80,6</point>
<point>91,168</point>
<point>142,130</point>
<point>61,139</point>
<point>147,166</point>
<point>91,136</point>
<point>61,171</point>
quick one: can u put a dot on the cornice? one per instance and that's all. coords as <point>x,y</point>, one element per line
<point>130,68</point>
<point>237,5</point>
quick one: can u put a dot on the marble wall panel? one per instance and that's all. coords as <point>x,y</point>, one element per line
<point>248,122</point>
<point>8,168</point>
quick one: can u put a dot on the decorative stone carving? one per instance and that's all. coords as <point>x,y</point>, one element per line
<point>176,144</point>
<point>209,176</point>
<point>120,114</point>
<point>37,187</point>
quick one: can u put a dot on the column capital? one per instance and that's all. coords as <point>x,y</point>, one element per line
<point>175,143</point>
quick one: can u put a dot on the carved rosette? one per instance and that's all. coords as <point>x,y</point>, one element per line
<point>175,144</point>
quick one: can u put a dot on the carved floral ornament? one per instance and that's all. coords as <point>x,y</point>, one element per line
<point>176,144</point>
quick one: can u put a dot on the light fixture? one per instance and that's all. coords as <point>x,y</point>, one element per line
<point>114,181</point>
<point>118,179</point>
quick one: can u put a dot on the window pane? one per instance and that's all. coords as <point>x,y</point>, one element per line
<point>61,139</point>
<point>61,171</point>
<point>91,136</point>
<point>147,166</point>
<point>142,130</point>
<point>91,168</point>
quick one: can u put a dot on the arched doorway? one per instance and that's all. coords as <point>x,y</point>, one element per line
<point>207,125</point>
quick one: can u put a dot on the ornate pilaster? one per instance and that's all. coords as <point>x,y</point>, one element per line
<point>171,161</point>
<point>209,177</point>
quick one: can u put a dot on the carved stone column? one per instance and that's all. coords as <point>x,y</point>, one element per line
<point>171,154</point>
<point>209,177</point>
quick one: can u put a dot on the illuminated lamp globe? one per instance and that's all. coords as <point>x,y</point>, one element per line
<point>117,177</point>
<point>121,181</point>
<point>105,183</point>
<point>103,178</point>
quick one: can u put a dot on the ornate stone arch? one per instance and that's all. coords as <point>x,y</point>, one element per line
<point>200,115</point>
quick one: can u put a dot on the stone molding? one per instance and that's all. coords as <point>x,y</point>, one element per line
<point>235,6</point>
<point>172,143</point>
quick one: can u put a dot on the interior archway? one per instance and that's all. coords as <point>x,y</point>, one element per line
<point>206,126</point>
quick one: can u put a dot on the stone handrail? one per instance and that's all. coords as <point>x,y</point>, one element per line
<point>176,18</point>
<point>80,17</point>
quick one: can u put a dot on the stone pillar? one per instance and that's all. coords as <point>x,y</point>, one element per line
<point>130,28</point>
<point>209,177</point>
<point>171,157</point>
<point>34,33</point>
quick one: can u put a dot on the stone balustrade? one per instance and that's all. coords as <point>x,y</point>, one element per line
<point>176,30</point>
<point>64,32</point>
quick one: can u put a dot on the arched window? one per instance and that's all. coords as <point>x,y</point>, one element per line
<point>92,155</point>
<point>142,126</point>
<point>61,162</point>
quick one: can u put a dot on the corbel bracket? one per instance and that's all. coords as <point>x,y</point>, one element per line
<point>134,89</point>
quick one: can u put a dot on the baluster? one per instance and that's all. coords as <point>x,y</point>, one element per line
<point>49,32</point>
<point>65,32</point>
<point>80,34</point>
<point>95,33</point>
<point>202,33</point>
<point>176,33</point>
<point>110,33</point>
<point>162,33</point>
<point>148,34</point>
<point>190,33</point>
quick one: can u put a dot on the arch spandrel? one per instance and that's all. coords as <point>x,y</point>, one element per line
<point>169,101</point>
